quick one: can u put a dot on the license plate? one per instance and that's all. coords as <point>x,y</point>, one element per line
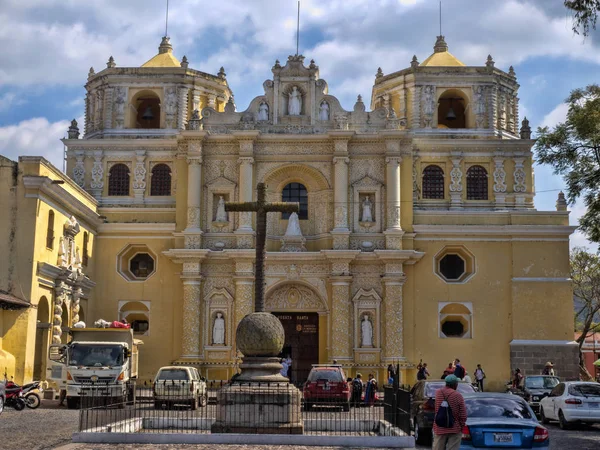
<point>503,437</point>
<point>325,388</point>
<point>594,405</point>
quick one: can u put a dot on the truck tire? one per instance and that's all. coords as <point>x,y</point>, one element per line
<point>72,403</point>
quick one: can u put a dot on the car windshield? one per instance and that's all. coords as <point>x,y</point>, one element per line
<point>432,388</point>
<point>541,382</point>
<point>585,390</point>
<point>95,355</point>
<point>327,374</point>
<point>173,374</point>
<point>494,407</point>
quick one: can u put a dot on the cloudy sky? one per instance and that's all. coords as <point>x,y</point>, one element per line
<point>51,44</point>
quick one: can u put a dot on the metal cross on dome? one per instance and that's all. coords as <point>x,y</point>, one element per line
<point>261,207</point>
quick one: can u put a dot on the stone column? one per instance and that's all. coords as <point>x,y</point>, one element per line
<point>212,101</point>
<point>393,192</point>
<point>182,110</point>
<point>139,177</point>
<point>60,297</point>
<point>193,233</point>
<point>190,340</point>
<point>195,100</point>
<point>108,108</point>
<point>456,185</point>
<point>245,191</point>
<point>341,318</point>
<point>393,342</point>
<point>520,185</point>
<point>97,184</point>
<point>75,305</point>
<point>499,181</point>
<point>341,232</point>
<point>79,169</point>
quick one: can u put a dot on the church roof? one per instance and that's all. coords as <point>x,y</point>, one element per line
<point>165,57</point>
<point>441,56</point>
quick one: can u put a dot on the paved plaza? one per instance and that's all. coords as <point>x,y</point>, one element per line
<point>50,427</point>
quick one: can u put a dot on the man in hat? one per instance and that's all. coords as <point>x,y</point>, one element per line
<point>548,369</point>
<point>449,438</point>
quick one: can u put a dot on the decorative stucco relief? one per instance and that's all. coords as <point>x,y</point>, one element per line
<point>294,297</point>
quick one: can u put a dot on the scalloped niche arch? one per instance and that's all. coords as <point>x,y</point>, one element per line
<point>294,297</point>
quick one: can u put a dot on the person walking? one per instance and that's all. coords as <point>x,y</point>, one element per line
<point>371,390</point>
<point>423,373</point>
<point>479,377</point>
<point>517,379</point>
<point>357,388</point>
<point>459,370</point>
<point>450,416</point>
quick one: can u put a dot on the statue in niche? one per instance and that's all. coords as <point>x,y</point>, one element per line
<point>219,330</point>
<point>295,102</point>
<point>263,112</point>
<point>367,216</point>
<point>429,103</point>
<point>293,228</point>
<point>221,213</point>
<point>479,101</point>
<point>367,332</point>
<point>324,111</point>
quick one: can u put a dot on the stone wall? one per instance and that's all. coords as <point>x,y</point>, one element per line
<point>531,359</point>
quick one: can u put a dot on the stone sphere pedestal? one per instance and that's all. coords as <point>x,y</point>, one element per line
<point>260,400</point>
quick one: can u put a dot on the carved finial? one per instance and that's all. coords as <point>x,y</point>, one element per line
<point>415,62</point>
<point>91,73</point>
<point>379,73</point>
<point>221,73</point>
<point>561,203</point>
<point>511,72</point>
<point>111,63</point>
<point>440,45</point>
<point>525,129</point>
<point>312,64</point>
<point>196,115</point>
<point>277,65</point>
<point>490,62</point>
<point>359,106</point>
<point>230,106</point>
<point>194,123</point>
<point>73,132</point>
<point>165,46</point>
<point>184,62</point>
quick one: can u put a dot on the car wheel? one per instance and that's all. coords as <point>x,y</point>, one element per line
<point>72,403</point>
<point>19,404</point>
<point>543,417</point>
<point>562,422</point>
<point>204,400</point>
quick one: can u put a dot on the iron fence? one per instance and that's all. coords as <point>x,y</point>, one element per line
<point>396,406</point>
<point>215,407</point>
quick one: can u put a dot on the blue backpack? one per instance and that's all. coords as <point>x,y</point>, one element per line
<point>444,417</point>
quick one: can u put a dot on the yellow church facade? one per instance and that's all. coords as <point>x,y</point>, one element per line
<point>417,238</point>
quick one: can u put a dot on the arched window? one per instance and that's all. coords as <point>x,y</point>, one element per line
<point>84,257</point>
<point>452,106</point>
<point>296,192</point>
<point>50,231</point>
<point>433,183</point>
<point>160,184</point>
<point>118,180</point>
<point>477,183</point>
<point>147,107</point>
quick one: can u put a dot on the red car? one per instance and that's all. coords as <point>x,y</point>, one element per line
<point>327,385</point>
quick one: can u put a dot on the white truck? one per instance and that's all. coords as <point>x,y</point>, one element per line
<point>99,362</point>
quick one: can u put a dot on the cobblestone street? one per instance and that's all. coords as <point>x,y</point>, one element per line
<point>50,427</point>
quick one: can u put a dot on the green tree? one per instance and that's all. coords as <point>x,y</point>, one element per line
<point>585,14</point>
<point>573,149</point>
<point>585,273</point>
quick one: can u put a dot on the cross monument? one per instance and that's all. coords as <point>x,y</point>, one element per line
<point>261,207</point>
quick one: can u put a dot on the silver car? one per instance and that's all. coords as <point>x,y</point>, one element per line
<point>2,396</point>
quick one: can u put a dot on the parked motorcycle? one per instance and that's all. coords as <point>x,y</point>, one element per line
<point>32,399</point>
<point>14,396</point>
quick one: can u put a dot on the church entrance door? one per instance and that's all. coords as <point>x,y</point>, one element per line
<point>301,342</point>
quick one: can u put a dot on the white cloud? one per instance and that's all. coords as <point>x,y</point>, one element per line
<point>34,137</point>
<point>10,99</point>
<point>556,116</point>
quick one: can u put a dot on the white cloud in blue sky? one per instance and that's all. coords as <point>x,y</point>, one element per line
<point>51,44</point>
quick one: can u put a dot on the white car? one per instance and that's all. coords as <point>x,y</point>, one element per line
<point>571,402</point>
<point>179,385</point>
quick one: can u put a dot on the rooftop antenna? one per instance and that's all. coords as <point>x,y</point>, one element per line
<point>298,30</point>
<point>167,20</point>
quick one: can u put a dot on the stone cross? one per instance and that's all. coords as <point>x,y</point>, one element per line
<point>261,208</point>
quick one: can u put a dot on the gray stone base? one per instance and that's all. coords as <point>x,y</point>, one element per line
<point>259,408</point>
<point>532,356</point>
